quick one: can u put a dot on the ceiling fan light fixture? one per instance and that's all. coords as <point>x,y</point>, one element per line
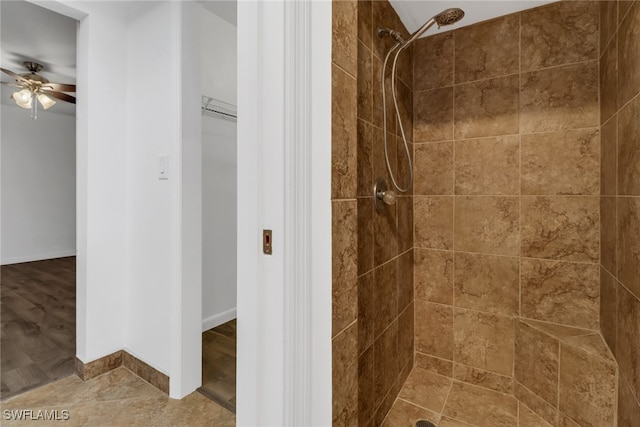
<point>23,98</point>
<point>45,101</point>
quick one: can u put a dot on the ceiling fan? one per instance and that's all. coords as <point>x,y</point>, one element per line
<point>35,87</point>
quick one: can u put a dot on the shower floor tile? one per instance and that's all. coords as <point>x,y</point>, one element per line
<point>450,403</point>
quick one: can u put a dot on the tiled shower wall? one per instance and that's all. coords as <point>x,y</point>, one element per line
<point>372,253</point>
<point>506,198</point>
<point>620,197</point>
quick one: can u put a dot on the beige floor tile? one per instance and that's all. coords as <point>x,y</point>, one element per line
<point>426,389</point>
<point>488,408</point>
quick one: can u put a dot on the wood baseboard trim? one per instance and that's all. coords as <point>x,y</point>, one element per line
<point>86,371</point>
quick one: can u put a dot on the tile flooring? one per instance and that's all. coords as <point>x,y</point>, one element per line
<point>38,322</point>
<point>450,403</point>
<point>219,364</point>
<point>117,398</point>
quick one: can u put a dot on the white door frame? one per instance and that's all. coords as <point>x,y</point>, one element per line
<point>284,179</point>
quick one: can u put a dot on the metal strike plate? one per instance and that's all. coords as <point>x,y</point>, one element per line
<point>267,242</point>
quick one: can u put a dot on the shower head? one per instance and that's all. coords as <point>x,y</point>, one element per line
<point>449,16</point>
<point>446,17</point>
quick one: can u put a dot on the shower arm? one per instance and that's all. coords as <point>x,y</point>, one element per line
<point>420,31</point>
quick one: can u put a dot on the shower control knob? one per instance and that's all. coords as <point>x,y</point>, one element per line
<point>382,196</point>
<point>389,197</point>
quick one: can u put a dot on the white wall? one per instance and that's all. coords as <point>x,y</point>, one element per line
<point>219,226</point>
<point>219,57</point>
<point>219,168</point>
<point>38,185</point>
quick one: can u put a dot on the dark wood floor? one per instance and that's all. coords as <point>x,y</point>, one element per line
<point>38,323</point>
<point>219,364</point>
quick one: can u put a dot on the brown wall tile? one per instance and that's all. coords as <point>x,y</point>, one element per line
<point>608,83</point>
<point>628,406</point>
<point>487,224</point>
<point>366,312</point>
<point>560,33</point>
<point>365,83</point>
<point>559,98</point>
<point>344,271</point>
<point>560,227</point>
<point>405,280</point>
<point>434,276</point>
<point>405,223</point>
<point>406,336</point>
<point>433,168</point>
<point>405,107</point>
<point>608,243</point>
<point>608,22</point>
<point>489,166</point>
<point>566,162</point>
<point>385,235</point>
<point>623,9</point>
<point>344,144</point>
<point>629,149</point>
<point>487,283</point>
<point>560,292</point>
<point>488,49</point>
<point>385,362</point>
<point>385,296</point>
<point>344,43</point>
<point>365,158</point>
<point>365,235</point>
<point>629,243</point>
<point>433,110</point>
<point>433,218</point>
<point>365,30</point>
<point>483,341</point>
<point>587,388</point>
<point>608,308</point>
<point>627,342</point>
<point>629,56</point>
<point>537,359</point>
<point>433,62</point>
<point>609,157</point>
<point>345,377</point>
<point>487,108</point>
<point>434,329</point>
<point>366,403</point>
<point>383,15</point>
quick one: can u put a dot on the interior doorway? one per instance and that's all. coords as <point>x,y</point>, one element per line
<point>219,201</point>
<point>38,274</point>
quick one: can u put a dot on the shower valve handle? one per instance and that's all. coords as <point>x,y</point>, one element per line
<point>388,197</point>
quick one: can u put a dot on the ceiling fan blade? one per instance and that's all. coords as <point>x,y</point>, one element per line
<point>60,87</point>
<point>14,75</point>
<point>60,95</point>
<point>10,84</point>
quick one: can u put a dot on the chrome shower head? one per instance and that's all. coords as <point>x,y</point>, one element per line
<point>449,16</point>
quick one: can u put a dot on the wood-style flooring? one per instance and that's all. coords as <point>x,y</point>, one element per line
<point>219,364</point>
<point>38,323</point>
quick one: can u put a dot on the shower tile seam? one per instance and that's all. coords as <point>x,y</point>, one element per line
<point>343,330</point>
<point>628,384</point>
<point>633,98</point>
<point>557,408</point>
<point>344,71</point>
<point>509,256</point>
<point>568,64</point>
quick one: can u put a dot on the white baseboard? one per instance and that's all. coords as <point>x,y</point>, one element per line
<point>40,257</point>
<point>218,319</point>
